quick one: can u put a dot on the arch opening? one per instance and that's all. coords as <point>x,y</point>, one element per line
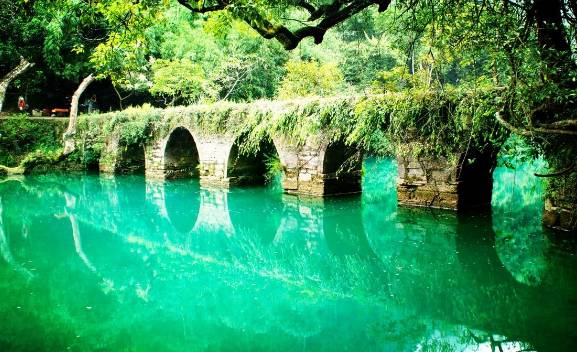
<point>518,205</point>
<point>475,178</point>
<point>181,158</point>
<point>342,168</point>
<point>252,168</point>
<point>131,159</point>
<point>91,160</point>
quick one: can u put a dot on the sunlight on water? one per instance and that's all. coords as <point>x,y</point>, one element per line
<point>124,263</point>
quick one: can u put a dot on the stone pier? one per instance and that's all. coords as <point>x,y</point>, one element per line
<point>318,168</point>
<point>214,155</point>
<point>461,182</point>
<point>120,158</point>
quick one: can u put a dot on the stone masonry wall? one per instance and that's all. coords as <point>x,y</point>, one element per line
<point>302,166</point>
<point>108,160</point>
<point>213,152</point>
<point>447,183</point>
<point>427,183</point>
<point>304,170</point>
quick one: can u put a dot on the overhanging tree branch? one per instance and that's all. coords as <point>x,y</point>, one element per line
<point>531,131</point>
<point>563,172</point>
<point>328,16</point>
<point>221,5</point>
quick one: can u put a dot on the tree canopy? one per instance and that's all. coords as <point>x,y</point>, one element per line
<point>522,49</point>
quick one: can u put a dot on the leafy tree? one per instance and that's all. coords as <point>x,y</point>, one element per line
<point>306,78</point>
<point>364,61</point>
<point>269,18</point>
<point>180,81</point>
<point>21,37</point>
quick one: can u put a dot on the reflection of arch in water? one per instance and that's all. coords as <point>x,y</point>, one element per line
<point>181,158</point>
<point>475,244</point>
<point>342,166</point>
<point>517,309</point>
<point>332,225</point>
<point>346,239</point>
<point>176,204</point>
<point>213,215</point>
<point>344,229</point>
<point>525,255</point>
<point>250,168</point>
<point>182,201</point>
<point>255,212</point>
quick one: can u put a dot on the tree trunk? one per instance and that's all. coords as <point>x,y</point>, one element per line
<point>68,137</point>
<point>22,67</point>
<point>553,41</point>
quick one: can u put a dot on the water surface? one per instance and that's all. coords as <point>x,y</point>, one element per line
<point>126,264</point>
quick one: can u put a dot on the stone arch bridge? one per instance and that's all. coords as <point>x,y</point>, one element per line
<point>316,167</point>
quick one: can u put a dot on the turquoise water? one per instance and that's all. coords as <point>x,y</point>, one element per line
<point>93,263</point>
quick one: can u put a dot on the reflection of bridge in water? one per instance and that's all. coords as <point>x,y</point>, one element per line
<point>449,272</point>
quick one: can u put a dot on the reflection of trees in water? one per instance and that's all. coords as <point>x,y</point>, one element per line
<point>398,280</point>
<point>521,242</point>
<point>5,248</point>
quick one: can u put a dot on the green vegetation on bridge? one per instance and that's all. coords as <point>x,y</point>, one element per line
<point>436,124</point>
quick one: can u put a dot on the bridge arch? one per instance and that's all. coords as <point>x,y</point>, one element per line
<point>131,159</point>
<point>182,204</point>
<point>180,154</point>
<point>121,157</point>
<point>250,167</point>
<point>341,168</point>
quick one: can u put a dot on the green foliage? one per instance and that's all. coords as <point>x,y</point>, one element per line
<point>20,136</point>
<point>309,78</point>
<point>365,60</point>
<point>274,167</point>
<point>419,123</point>
<point>179,80</point>
<point>42,158</point>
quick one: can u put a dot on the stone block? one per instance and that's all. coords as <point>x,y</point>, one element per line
<point>305,177</point>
